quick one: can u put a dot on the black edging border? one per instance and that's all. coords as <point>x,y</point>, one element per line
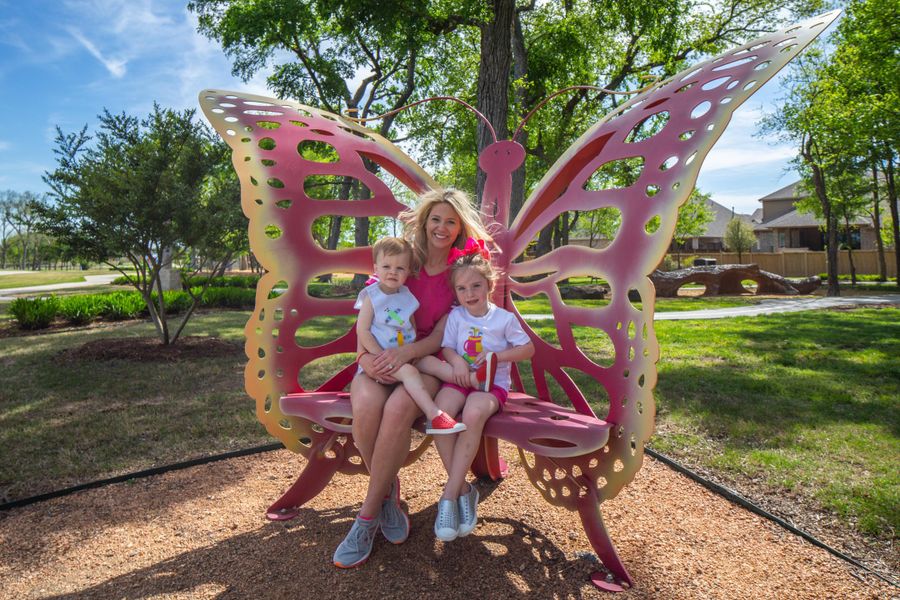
<point>726,493</point>
<point>736,498</point>
<point>141,474</point>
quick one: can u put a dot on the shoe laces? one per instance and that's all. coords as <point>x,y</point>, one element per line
<point>362,534</point>
<point>390,513</point>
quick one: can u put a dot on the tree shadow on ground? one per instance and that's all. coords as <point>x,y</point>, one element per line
<point>293,559</point>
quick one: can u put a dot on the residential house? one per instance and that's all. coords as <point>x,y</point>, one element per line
<point>782,227</point>
<point>712,238</point>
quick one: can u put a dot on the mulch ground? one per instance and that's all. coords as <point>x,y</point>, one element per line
<point>201,533</point>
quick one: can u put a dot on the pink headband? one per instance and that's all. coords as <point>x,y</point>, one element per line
<point>472,246</point>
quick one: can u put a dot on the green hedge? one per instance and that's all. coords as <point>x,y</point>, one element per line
<point>859,277</point>
<point>227,281</point>
<point>39,313</point>
<point>34,313</point>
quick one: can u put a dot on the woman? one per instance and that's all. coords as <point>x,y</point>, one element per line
<point>383,413</point>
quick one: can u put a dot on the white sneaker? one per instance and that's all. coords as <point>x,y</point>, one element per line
<point>446,526</point>
<point>468,511</point>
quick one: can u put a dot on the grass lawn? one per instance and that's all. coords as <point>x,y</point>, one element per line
<point>539,305</point>
<point>803,404</point>
<point>66,421</point>
<point>33,278</point>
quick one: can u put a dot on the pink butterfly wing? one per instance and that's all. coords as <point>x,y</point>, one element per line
<point>698,103</point>
<point>281,151</point>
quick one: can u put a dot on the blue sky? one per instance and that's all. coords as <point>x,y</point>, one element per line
<point>62,62</point>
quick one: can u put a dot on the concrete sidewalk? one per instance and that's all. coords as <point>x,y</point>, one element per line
<point>765,307</point>
<point>89,281</point>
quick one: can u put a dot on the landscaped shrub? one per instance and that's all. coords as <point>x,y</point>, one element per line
<point>80,310</point>
<point>34,313</point>
<point>217,297</point>
<point>120,306</point>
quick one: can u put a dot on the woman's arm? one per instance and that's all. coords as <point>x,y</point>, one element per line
<point>395,357</point>
<point>364,328</point>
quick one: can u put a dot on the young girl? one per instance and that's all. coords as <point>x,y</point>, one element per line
<point>478,336</point>
<point>386,320</point>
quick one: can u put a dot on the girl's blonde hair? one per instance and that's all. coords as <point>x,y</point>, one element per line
<point>477,262</point>
<point>415,219</point>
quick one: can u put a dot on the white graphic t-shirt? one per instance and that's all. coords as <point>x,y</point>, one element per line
<point>496,331</point>
<point>392,314</point>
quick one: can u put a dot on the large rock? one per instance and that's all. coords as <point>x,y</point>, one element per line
<point>726,280</point>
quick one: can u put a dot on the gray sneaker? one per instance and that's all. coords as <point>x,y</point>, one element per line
<point>447,523</point>
<point>468,511</point>
<point>357,546</point>
<point>394,521</point>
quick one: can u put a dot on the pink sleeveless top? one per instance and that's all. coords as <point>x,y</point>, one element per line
<point>435,299</point>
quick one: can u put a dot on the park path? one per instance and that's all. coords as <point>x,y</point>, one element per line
<point>765,307</point>
<point>89,281</point>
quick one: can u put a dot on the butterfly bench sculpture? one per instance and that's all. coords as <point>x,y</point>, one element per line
<point>574,458</point>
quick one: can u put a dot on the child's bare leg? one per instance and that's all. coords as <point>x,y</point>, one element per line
<point>451,401</point>
<point>432,365</point>
<point>415,387</point>
<point>479,407</point>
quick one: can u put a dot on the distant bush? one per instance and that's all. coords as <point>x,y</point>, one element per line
<point>120,306</point>
<point>224,297</point>
<point>859,277</point>
<point>236,281</point>
<point>80,310</point>
<point>34,313</point>
<point>39,313</point>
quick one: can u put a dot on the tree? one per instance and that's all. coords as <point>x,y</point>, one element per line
<point>520,52</point>
<point>739,237</point>
<point>140,191</point>
<point>329,44</point>
<point>693,217</point>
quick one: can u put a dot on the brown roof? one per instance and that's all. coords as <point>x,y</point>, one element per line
<point>796,218</point>
<point>791,190</point>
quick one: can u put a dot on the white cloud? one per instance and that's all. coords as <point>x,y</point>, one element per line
<point>116,66</point>
<point>4,145</point>
<point>749,155</point>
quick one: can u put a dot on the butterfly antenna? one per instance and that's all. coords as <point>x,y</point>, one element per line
<point>396,110</point>
<point>581,87</point>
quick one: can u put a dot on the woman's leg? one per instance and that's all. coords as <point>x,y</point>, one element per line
<point>391,445</point>
<point>367,399</point>
<point>479,407</point>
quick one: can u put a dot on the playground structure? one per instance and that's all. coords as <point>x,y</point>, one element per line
<point>574,458</point>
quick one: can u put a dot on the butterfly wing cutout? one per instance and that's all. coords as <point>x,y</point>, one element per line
<point>285,154</point>
<point>695,107</point>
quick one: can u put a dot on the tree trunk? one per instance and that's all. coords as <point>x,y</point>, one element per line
<point>520,70</point>
<point>850,251</point>
<point>876,223</point>
<point>831,227</point>
<point>493,78</point>
<point>892,200</point>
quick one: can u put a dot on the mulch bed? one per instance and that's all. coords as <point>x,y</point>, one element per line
<point>201,533</point>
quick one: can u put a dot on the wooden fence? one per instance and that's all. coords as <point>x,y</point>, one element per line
<point>800,264</point>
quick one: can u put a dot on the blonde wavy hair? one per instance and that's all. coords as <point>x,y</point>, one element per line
<point>414,220</point>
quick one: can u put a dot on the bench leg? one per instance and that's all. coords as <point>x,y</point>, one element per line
<point>315,476</point>
<point>592,521</point>
<point>488,462</point>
